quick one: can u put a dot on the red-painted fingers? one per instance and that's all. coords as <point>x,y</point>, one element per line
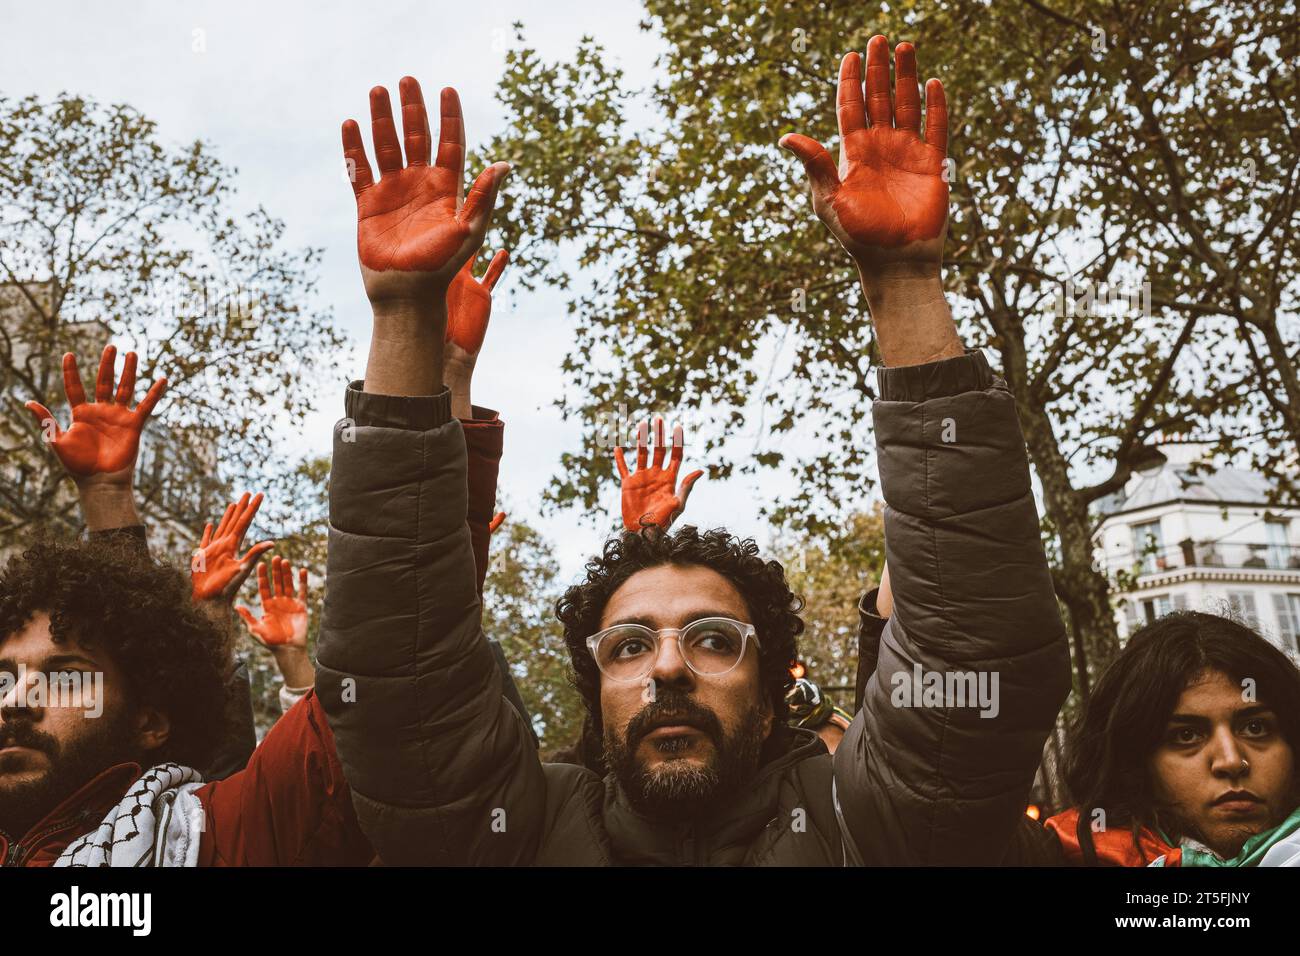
<point>907,94</point>
<point>256,551</point>
<point>72,381</point>
<point>44,415</point>
<point>849,108</point>
<point>150,400</point>
<point>936,116</point>
<point>679,450</point>
<point>687,484</point>
<point>104,380</point>
<point>482,197</point>
<point>621,461</point>
<point>817,162</point>
<point>388,152</point>
<point>451,138</point>
<point>495,268</point>
<point>228,517</point>
<point>245,518</point>
<point>264,586</point>
<point>415,122</point>
<point>354,156</point>
<point>126,386</point>
<point>880,106</point>
<point>278,579</point>
<point>658,460</point>
<point>642,441</point>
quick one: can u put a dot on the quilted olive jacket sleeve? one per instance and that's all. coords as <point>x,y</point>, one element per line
<point>441,766</point>
<point>973,664</point>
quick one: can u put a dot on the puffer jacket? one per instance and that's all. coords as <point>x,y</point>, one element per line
<point>440,765</point>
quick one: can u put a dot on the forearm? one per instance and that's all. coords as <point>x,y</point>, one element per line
<point>458,381</point>
<point>406,347</point>
<point>974,611</point>
<point>913,322</point>
<point>295,666</point>
<point>412,690</point>
<point>484,433</point>
<point>108,507</point>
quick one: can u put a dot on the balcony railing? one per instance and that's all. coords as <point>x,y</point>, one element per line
<point>1221,554</point>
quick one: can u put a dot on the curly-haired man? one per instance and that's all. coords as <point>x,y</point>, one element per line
<point>114,689</point>
<point>650,724</point>
<point>105,621</point>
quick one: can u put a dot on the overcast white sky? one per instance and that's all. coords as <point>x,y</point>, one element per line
<point>267,84</point>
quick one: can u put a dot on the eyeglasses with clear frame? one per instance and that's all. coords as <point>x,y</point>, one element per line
<point>711,647</point>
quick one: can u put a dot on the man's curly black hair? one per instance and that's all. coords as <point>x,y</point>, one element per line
<point>773,607</point>
<point>112,596</point>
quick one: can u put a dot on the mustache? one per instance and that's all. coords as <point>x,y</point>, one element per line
<point>22,734</point>
<point>673,706</point>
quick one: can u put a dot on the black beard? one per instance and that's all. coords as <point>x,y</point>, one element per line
<point>71,767</point>
<point>676,790</point>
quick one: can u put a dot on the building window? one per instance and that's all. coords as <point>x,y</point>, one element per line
<point>1149,547</point>
<point>1287,608</point>
<point>1279,549</point>
<point>1156,606</point>
<point>1241,606</point>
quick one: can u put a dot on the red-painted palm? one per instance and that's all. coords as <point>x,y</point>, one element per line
<point>887,202</point>
<point>650,494</point>
<point>469,306</point>
<point>217,569</point>
<point>415,226</point>
<point>103,440</point>
<point>284,610</point>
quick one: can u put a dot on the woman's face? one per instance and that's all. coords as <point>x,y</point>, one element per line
<point>1223,765</point>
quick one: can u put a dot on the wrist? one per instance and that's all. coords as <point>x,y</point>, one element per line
<point>406,347</point>
<point>457,378</point>
<point>913,322</point>
<point>295,665</point>
<point>880,277</point>
<point>417,310</point>
<point>107,504</point>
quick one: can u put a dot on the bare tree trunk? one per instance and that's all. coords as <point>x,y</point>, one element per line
<point>1082,589</point>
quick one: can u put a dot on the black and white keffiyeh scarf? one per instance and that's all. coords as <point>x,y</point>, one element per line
<point>158,823</point>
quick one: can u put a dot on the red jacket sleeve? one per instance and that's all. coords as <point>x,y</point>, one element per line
<point>483,438</point>
<point>290,806</point>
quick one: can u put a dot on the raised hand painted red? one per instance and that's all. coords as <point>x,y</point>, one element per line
<point>104,437</point>
<point>888,200</point>
<point>469,306</point>
<point>413,233</point>
<point>650,494</point>
<point>284,610</point>
<point>217,569</point>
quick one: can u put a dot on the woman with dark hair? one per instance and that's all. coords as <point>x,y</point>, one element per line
<point>1186,753</point>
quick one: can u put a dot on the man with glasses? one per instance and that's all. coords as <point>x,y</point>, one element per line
<point>681,643</point>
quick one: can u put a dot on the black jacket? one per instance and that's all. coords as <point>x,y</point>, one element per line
<point>442,769</point>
